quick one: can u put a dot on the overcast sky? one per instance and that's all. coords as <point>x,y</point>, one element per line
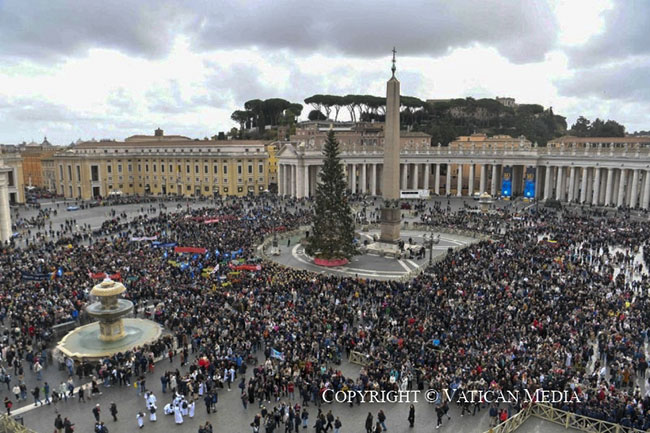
<point>114,68</point>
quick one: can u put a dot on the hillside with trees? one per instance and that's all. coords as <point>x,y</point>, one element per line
<point>444,120</point>
<point>447,119</point>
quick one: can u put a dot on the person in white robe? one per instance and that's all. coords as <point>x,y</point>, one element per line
<point>152,412</point>
<point>185,408</point>
<point>168,409</point>
<point>178,417</point>
<point>191,408</point>
<point>140,418</point>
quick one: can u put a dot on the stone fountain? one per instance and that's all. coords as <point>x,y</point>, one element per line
<point>113,332</point>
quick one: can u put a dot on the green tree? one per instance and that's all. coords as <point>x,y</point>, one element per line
<point>316,115</point>
<point>333,227</point>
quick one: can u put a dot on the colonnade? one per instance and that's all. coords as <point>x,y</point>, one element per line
<point>607,186</point>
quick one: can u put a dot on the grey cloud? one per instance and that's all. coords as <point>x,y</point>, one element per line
<point>35,110</point>
<point>523,32</point>
<point>625,35</point>
<point>624,82</point>
<point>45,30</point>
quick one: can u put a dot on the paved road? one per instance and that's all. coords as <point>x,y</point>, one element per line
<point>369,265</point>
<point>231,417</point>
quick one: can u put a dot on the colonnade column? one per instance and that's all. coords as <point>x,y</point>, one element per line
<point>572,180</point>
<point>353,178</point>
<point>363,178</point>
<point>481,184</point>
<point>595,200</point>
<point>459,189</point>
<point>645,201</point>
<point>307,181</point>
<point>547,182</point>
<point>620,199</point>
<point>493,181</point>
<point>470,187</point>
<point>5,212</point>
<point>448,180</point>
<point>436,181</point>
<point>558,187</point>
<point>373,180</point>
<point>635,188</point>
<point>414,181</point>
<point>610,185</point>
<point>293,180</point>
<point>427,169</point>
<point>404,176</point>
<point>280,180</point>
<point>583,185</point>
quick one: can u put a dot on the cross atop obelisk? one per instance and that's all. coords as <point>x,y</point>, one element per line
<point>394,68</point>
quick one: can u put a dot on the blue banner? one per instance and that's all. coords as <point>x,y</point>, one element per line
<point>506,183</point>
<point>29,276</point>
<point>158,244</point>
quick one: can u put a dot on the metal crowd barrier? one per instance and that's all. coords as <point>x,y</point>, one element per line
<point>568,420</point>
<point>358,358</point>
<point>11,425</point>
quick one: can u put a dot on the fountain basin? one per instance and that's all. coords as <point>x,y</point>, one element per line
<point>121,308</point>
<point>85,342</point>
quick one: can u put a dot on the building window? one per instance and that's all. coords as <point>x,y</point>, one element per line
<point>260,168</point>
<point>250,169</point>
<point>240,189</point>
<point>130,168</point>
<point>239,170</point>
<point>162,168</point>
<point>94,173</point>
<point>216,169</point>
<point>225,169</point>
<point>205,169</point>
<point>154,167</point>
<point>206,189</point>
<point>70,177</point>
<point>61,171</point>
<point>187,168</point>
<point>171,168</point>
<point>189,187</point>
<point>146,168</point>
<point>119,168</point>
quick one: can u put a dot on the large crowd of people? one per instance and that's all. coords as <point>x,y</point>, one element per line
<point>557,300</point>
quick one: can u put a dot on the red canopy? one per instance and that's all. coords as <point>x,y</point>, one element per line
<point>190,250</point>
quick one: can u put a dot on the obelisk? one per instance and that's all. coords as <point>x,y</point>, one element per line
<point>390,212</point>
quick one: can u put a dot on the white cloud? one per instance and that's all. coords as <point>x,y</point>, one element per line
<point>114,71</point>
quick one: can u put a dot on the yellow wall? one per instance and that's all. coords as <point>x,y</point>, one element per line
<point>162,180</point>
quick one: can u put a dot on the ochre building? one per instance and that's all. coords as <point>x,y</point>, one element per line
<point>162,165</point>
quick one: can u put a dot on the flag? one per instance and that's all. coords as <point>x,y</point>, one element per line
<point>277,355</point>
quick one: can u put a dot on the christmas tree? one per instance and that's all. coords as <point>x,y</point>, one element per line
<point>333,229</point>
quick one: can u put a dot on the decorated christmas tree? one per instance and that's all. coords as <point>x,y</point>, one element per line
<point>333,228</point>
